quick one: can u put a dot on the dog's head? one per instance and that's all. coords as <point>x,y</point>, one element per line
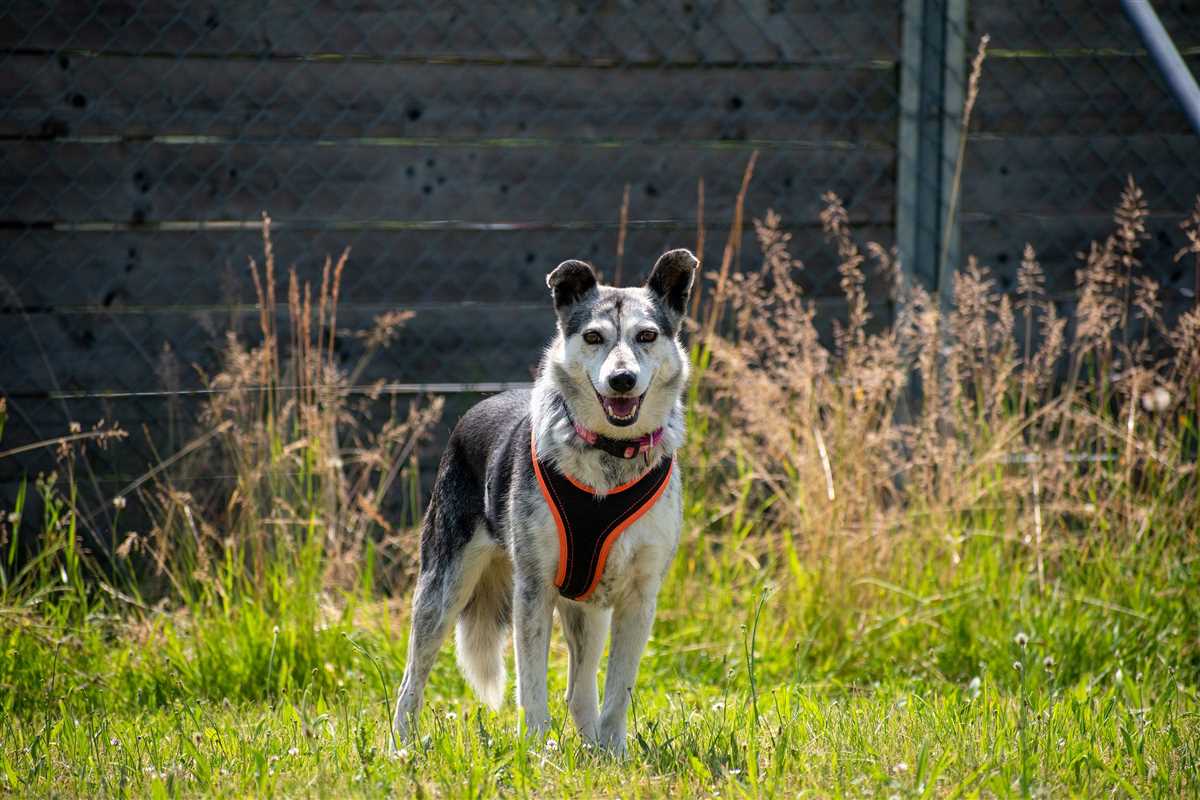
<point>619,363</point>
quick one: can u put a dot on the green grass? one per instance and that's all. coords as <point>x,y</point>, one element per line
<point>900,685</point>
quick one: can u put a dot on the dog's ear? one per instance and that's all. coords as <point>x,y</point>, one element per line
<point>672,276</point>
<point>570,281</point>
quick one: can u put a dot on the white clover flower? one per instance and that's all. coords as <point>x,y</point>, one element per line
<point>1021,639</point>
<point>119,502</point>
<point>293,751</point>
<point>1156,400</point>
<point>1017,666</point>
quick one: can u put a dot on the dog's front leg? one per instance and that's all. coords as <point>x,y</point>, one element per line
<point>533,608</point>
<point>584,628</point>
<point>631,624</point>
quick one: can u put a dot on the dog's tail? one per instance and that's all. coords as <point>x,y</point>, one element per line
<point>480,636</point>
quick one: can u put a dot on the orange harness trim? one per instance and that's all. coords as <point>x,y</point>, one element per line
<point>588,526</point>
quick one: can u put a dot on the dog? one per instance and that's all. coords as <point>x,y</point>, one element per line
<point>562,497</point>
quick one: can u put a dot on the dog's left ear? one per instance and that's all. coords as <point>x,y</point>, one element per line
<point>672,276</point>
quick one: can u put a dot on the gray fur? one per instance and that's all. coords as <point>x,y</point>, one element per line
<point>489,551</point>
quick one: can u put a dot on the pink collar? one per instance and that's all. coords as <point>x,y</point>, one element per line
<point>621,448</point>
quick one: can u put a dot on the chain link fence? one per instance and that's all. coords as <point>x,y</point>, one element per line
<point>463,149</point>
<point>1071,106</point>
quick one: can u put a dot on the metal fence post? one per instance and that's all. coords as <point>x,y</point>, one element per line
<point>1166,55</point>
<point>932,77</point>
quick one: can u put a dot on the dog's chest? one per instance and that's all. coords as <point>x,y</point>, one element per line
<point>637,558</point>
<point>641,554</point>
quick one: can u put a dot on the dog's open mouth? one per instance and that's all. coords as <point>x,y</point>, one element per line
<point>621,411</point>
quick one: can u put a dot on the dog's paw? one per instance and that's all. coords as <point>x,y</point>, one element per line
<point>400,739</point>
<point>613,743</point>
<point>404,723</point>
<point>535,726</point>
<point>616,750</point>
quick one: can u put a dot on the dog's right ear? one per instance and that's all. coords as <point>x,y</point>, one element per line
<point>570,281</point>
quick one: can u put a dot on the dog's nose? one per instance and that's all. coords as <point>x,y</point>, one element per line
<point>622,381</point>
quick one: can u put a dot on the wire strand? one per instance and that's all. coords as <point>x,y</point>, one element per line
<point>449,387</point>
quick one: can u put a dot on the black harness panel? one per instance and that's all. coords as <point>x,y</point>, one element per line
<point>588,526</point>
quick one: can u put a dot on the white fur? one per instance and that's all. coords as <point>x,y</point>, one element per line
<point>478,645</point>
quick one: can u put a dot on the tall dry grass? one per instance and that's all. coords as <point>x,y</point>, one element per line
<point>906,429</point>
<point>293,461</point>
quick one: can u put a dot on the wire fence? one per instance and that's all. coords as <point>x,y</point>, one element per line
<point>462,150</point>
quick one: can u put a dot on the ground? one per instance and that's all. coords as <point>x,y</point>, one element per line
<point>965,678</point>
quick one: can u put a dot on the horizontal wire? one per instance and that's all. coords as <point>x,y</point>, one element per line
<point>351,225</point>
<point>1012,459</point>
<point>462,143</point>
<point>451,60</point>
<point>280,309</point>
<point>448,387</point>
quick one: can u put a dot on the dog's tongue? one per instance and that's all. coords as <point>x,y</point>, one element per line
<point>620,406</point>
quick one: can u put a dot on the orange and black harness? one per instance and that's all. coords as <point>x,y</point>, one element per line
<point>588,525</point>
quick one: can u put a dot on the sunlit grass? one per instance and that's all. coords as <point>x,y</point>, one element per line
<point>913,693</point>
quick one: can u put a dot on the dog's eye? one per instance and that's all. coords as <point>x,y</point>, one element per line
<point>591,337</point>
<point>647,336</point>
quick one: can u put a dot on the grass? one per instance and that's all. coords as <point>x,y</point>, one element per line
<point>747,689</point>
<point>951,557</point>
